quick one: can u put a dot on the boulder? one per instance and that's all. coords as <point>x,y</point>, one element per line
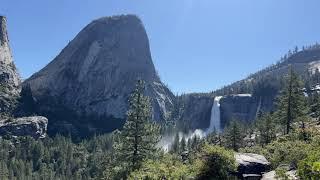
<point>269,175</point>
<point>249,163</point>
<point>34,126</point>
<point>291,174</point>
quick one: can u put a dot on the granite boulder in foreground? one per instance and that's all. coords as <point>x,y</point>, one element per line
<point>251,165</point>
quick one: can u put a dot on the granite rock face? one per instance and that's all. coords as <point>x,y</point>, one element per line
<point>197,110</point>
<point>242,107</point>
<point>9,77</point>
<point>34,126</point>
<point>87,86</point>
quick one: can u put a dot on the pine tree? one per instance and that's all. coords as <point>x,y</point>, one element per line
<point>292,102</point>
<point>183,145</point>
<point>266,128</point>
<point>176,144</point>
<point>195,142</point>
<point>296,49</point>
<point>4,172</point>
<point>316,106</point>
<point>139,136</point>
<point>234,135</point>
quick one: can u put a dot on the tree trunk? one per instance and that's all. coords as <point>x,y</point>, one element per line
<point>135,152</point>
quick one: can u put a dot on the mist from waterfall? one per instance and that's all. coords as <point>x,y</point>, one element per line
<point>215,125</point>
<point>215,121</point>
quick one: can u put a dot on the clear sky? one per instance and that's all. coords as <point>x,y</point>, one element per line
<point>196,45</point>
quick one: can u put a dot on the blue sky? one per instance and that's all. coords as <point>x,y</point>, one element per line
<point>196,45</point>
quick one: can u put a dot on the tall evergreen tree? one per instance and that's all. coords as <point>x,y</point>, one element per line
<point>4,172</point>
<point>139,136</point>
<point>316,106</point>
<point>176,144</point>
<point>234,135</point>
<point>183,144</point>
<point>291,103</point>
<point>266,128</point>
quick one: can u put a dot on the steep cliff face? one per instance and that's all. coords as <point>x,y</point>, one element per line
<point>197,110</point>
<point>9,77</point>
<point>87,86</point>
<point>241,107</point>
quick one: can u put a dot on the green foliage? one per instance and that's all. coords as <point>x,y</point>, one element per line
<point>234,135</point>
<point>315,105</point>
<point>281,173</point>
<point>53,158</point>
<point>291,104</point>
<point>266,128</point>
<point>166,167</point>
<point>211,162</point>
<point>217,163</point>
<point>309,168</point>
<point>183,145</point>
<point>195,143</point>
<point>138,138</point>
<point>283,152</point>
<point>175,147</point>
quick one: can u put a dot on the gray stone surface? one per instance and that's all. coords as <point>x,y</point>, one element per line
<point>97,71</point>
<point>269,175</point>
<point>35,126</point>
<point>238,107</point>
<point>197,110</point>
<point>9,77</point>
<point>249,163</point>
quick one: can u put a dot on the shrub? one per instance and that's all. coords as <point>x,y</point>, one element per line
<point>217,163</point>
<point>309,168</point>
<point>282,152</point>
<point>212,162</point>
<point>166,167</point>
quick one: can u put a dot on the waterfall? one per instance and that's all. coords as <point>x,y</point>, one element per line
<point>167,141</point>
<point>215,123</point>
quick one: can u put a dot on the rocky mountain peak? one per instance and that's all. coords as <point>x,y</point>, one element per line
<point>3,30</point>
<point>5,52</point>
<point>9,77</point>
<point>96,72</point>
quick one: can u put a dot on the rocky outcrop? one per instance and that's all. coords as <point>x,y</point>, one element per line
<point>290,174</point>
<point>34,126</point>
<point>87,86</point>
<point>269,175</point>
<point>9,77</point>
<point>242,107</point>
<point>197,110</point>
<point>251,165</point>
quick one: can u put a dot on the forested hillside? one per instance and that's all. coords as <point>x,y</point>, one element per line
<point>109,116</point>
<point>288,138</point>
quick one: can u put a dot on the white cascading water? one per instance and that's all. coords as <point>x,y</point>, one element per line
<point>215,123</point>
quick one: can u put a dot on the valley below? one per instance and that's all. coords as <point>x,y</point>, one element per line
<point>99,110</point>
